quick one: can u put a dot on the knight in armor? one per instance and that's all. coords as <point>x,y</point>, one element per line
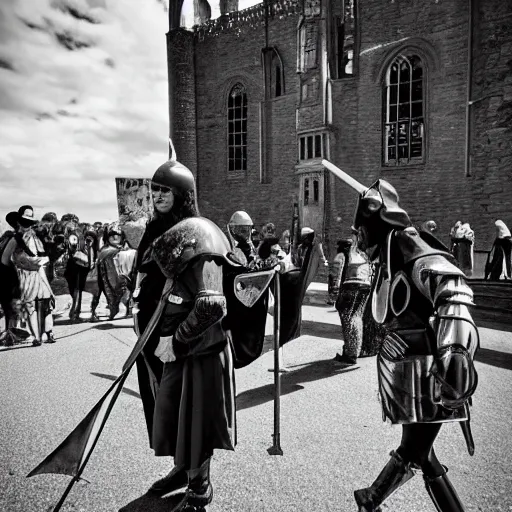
<point>239,228</point>
<point>186,374</point>
<point>425,364</point>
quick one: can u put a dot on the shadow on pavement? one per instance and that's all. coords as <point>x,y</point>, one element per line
<point>73,333</point>
<point>149,502</point>
<point>107,326</point>
<point>494,358</point>
<point>128,391</point>
<point>320,329</point>
<point>290,382</point>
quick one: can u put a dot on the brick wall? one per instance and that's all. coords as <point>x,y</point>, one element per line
<point>228,50</point>
<point>437,32</point>
<point>491,151</point>
<point>222,59</point>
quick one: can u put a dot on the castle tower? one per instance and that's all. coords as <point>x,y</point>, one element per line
<point>182,89</point>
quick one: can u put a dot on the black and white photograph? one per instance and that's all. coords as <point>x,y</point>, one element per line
<point>255,256</point>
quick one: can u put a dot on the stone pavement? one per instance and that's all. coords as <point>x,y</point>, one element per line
<point>332,435</point>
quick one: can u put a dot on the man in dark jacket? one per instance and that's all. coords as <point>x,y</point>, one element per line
<point>186,374</point>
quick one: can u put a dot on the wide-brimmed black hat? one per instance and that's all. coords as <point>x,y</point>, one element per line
<point>26,216</point>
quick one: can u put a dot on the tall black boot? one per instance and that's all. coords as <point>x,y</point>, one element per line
<point>200,490</point>
<point>443,494</point>
<point>395,473</point>
<point>175,480</point>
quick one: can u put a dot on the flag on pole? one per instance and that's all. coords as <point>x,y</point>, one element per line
<point>72,455</point>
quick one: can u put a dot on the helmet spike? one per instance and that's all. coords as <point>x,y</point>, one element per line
<point>172,152</point>
<point>343,176</point>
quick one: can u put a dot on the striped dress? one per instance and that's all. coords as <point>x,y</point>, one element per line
<point>32,278</point>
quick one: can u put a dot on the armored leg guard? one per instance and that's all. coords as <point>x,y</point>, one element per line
<point>200,490</point>
<point>175,480</point>
<point>395,473</point>
<point>443,494</point>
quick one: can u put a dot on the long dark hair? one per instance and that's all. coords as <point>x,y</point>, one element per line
<point>185,205</point>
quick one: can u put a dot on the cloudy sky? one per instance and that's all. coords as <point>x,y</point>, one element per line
<point>83,99</point>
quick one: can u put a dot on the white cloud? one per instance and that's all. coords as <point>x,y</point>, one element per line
<point>73,120</point>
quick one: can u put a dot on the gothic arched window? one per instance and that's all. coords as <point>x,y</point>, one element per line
<point>404,110</point>
<point>237,128</point>
<point>273,72</point>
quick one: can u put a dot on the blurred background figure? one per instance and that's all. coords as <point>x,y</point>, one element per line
<point>239,229</point>
<point>462,241</point>
<point>8,276</point>
<point>351,302</point>
<point>499,260</point>
<point>285,241</point>
<point>336,269</point>
<point>429,226</point>
<point>307,238</point>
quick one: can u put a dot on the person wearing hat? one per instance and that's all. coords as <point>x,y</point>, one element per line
<point>186,375</point>
<point>112,280</point>
<point>36,295</point>
<point>239,229</point>
<point>425,364</point>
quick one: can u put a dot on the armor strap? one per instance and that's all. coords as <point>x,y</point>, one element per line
<point>380,294</point>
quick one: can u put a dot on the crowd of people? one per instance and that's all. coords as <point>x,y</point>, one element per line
<point>35,252</point>
<point>418,298</point>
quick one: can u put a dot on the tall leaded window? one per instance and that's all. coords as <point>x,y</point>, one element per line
<point>404,127</point>
<point>237,128</point>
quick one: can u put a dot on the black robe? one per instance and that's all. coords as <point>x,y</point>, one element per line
<point>149,295</point>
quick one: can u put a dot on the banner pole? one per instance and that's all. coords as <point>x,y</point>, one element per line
<point>275,449</point>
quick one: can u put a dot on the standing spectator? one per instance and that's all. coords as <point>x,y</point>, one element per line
<point>355,289</point>
<point>36,295</point>
<point>462,240</point>
<point>337,268</point>
<point>239,229</point>
<point>498,265</point>
<point>8,277</point>
<point>307,237</point>
<point>429,226</point>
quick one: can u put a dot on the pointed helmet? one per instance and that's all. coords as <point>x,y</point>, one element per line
<point>175,175</point>
<point>377,204</point>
